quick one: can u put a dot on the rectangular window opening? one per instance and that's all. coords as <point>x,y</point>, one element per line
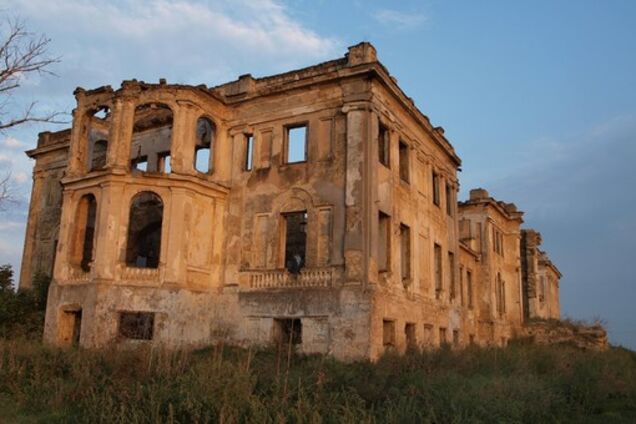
<point>435,188</point>
<point>388,333</point>
<point>409,333</point>
<point>249,152</point>
<point>456,338</point>
<point>140,164</point>
<point>288,331</point>
<point>451,275</point>
<point>383,145</point>
<point>137,325</point>
<point>469,288</point>
<point>449,200</point>
<point>442,336</point>
<point>404,162</point>
<point>405,253</point>
<point>296,144</point>
<point>295,240</point>
<point>438,271</point>
<point>384,239</point>
<point>163,162</point>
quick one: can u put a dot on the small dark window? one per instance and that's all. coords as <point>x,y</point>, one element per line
<point>435,188</point>
<point>249,152</point>
<point>82,249</point>
<point>383,145</point>
<point>384,240</point>
<point>438,271</point>
<point>456,338</point>
<point>388,333</point>
<point>409,333</point>
<point>405,253</point>
<point>296,144</point>
<point>469,288</point>
<point>404,162</point>
<point>137,325</point>
<point>449,200</point>
<point>451,275</point>
<point>295,240</point>
<point>288,331</point>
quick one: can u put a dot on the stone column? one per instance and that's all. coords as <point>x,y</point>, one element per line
<point>121,131</point>
<point>26,270</point>
<point>183,138</point>
<point>222,150</point>
<point>173,244</point>
<point>78,148</point>
<point>357,196</point>
<point>110,233</point>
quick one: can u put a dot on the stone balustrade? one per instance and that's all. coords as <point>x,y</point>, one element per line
<point>308,277</point>
<point>140,274</point>
<point>78,275</point>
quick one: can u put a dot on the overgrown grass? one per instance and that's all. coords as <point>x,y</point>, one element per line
<point>533,384</point>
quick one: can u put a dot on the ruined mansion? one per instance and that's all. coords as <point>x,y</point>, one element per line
<point>316,207</point>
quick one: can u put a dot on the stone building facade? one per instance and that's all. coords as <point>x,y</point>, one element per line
<point>316,207</point>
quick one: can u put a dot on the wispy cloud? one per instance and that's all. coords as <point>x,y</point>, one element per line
<point>13,143</point>
<point>399,20</point>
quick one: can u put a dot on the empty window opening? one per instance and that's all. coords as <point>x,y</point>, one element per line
<point>388,333</point>
<point>98,155</point>
<point>140,163</point>
<point>144,231</point>
<point>542,289</point>
<point>203,147</point>
<point>405,253</point>
<point>384,237</point>
<point>137,325</point>
<point>296,144</point>
<point>288,331</point>
<point>461,285</point>
<point>249,152</point>
<point>84,234</point>
<point>383,145</point>
<point>500,295</point>
<point>428,335</point>
<point>469,288</point>
<point>471,339</point>
<point>97,131</point>
<point>295,240</point>
<point>409,334</point>
<point>449,200</point>
<point>438,271</point>
<point>163,162</point>
<point>442,336</point>
<point>152,138</point>
<point>404,162</point>
<point>456,339</point>
<point>451,276</point>
<point>435,183</point>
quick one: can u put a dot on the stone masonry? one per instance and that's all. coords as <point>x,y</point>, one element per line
<point>315,207</point>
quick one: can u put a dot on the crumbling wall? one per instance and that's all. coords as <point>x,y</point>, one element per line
<point>589,337</point>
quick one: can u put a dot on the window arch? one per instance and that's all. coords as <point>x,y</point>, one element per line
<point>97,133</point>
<point>204,147</point>
<point>82,249</point>
<point>143,246</point>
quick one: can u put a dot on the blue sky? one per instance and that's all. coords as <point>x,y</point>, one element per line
<point>538,98</point>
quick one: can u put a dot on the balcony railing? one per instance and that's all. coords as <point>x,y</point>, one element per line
<point>140,274</point>
<point>78,275</point>
<point>308,277</point>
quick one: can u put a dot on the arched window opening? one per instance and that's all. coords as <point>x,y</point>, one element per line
<point>144,231</point>
<point>98,156</point>
<point>98,134</point>
<point>84,234</point>
<point>203,153</point>
<point>152,138</point>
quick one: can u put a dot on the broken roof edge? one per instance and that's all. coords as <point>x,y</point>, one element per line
<point>480,196</point>
<point>360,55</point>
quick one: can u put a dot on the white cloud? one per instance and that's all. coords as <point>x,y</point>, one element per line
<point>21,177</point>
<point>399,20</point>
<point>13,143</point>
